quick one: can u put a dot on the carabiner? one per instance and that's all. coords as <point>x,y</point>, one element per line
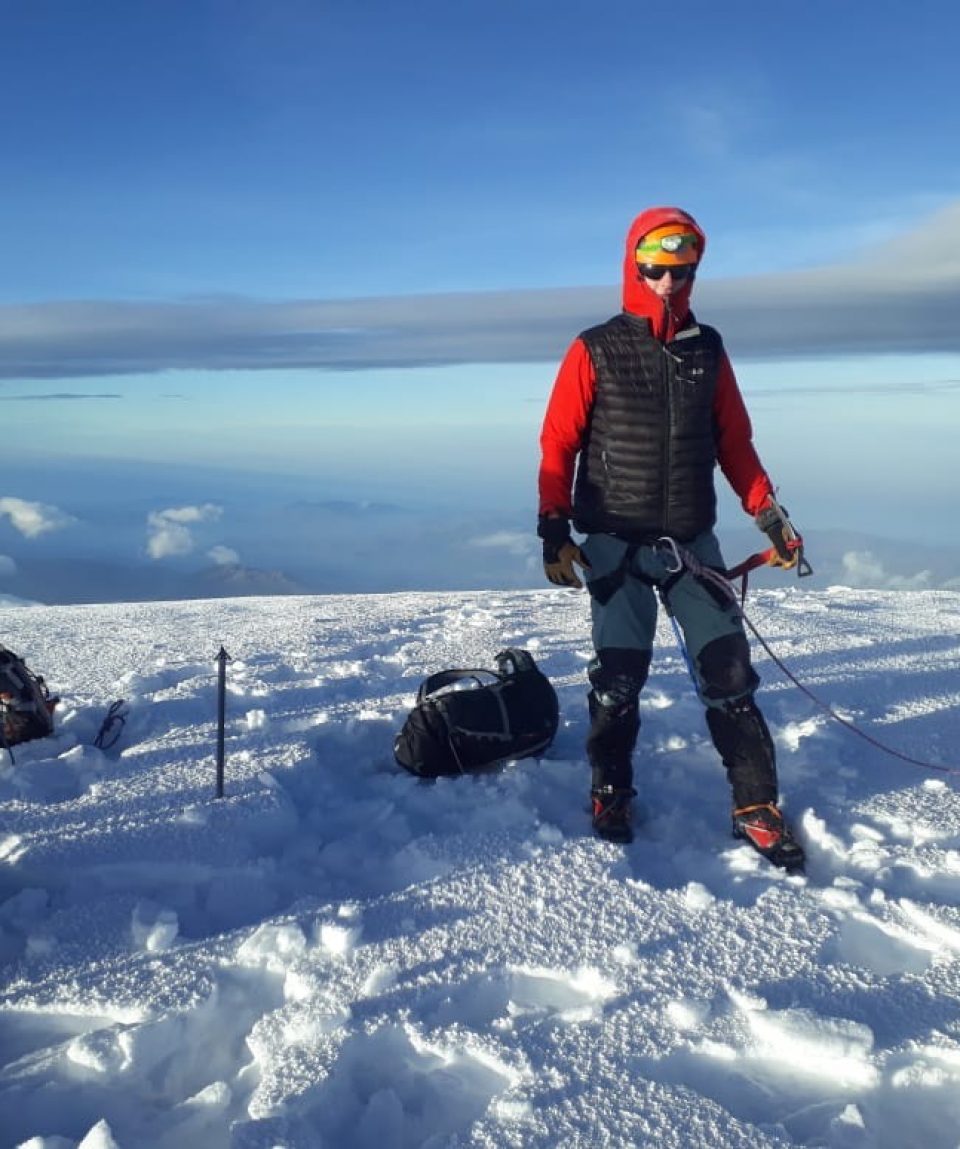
<point>670,545</point>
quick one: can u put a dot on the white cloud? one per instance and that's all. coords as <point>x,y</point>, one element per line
<point>202,514</point>
<point>32,519</point>
<point>7,566</point>
<point>223,556</point>
<point>863,568</point>
<point>513,542</point>
<point>167,531</point>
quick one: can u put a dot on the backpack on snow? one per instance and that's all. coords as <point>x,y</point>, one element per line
<point>455,731</point>
<point>26,708</point>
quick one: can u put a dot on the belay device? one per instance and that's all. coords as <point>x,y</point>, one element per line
<point>456,728</point>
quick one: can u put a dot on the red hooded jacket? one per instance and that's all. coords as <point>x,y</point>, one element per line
<point>568,410</point>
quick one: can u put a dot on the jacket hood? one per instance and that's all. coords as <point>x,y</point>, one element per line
<point>638,299</point>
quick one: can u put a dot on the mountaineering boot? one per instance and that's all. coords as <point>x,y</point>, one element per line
<point>764,828</point>
<point>612,813</point>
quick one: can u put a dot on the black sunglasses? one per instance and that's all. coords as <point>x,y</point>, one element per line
<point>679,271</point>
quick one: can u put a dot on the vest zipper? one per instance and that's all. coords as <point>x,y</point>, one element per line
<point>668,416</point>
<point>667,435</point>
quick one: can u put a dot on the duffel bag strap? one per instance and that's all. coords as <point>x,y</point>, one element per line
<point>447,678</point>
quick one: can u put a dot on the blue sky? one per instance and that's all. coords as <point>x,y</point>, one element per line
<point>333,252</point>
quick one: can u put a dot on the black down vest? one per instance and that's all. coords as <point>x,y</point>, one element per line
<point>648,454</point>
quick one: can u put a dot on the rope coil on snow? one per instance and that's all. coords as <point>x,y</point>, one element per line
<point>112,726</point>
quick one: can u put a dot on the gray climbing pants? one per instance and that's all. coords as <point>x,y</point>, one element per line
<point>624,607</point>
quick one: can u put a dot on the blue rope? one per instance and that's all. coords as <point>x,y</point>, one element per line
<point>683,650</point>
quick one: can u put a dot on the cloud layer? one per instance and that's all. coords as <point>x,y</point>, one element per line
<point>881,304</point>
<point>32,519</point>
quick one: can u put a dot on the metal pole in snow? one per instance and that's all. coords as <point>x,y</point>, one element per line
<point>222,659</point>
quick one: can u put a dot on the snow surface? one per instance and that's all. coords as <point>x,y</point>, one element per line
<point>336,954</point>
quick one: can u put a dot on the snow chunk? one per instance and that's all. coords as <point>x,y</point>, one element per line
<point>815,832</point>
<point>935,785</point>
<point>153,927</point>
<point>817,1046</point>
<point>840,898</point>
<point>848,1130</point>
<point>625,953</point>
<point>576,997</point>
<point>510,1110</point>
<point>193,816</point>
<point>99,1137</point>
<point>883,947</point>
<point>939,934</point>
<point>338,938</point>
<point>379,980</point>
<point>99,1051</point>
<point>216,1095</point>
<point>934,1068</point>
<point>687,1013</point>
<point>697,897</point>
<point>256,719</point>
<point>12,847</point>
<point>300,985</point>
<point>273,946</point>
<point>793,733</point>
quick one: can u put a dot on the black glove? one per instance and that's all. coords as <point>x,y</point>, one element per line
<point>787,543</point>
<point>560,552</point>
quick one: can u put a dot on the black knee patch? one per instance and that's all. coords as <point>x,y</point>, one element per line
<point>725,668</point>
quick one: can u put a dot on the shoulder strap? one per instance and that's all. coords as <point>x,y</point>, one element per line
<point>447,678</point>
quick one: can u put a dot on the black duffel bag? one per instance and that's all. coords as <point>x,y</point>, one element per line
<point>456,728</point>
<point>26,708</point>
